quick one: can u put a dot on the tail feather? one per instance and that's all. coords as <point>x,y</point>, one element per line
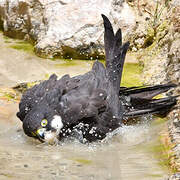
<point>108,37</point>
<point>118,39</point>
<point>115,53</point>
<point>136,100</point>
<point>122,55</point>
<point>159,107</point>
<point>145,92</point>
<point>140,100</point>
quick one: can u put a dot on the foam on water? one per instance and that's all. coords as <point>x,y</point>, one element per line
<point>119,156</point>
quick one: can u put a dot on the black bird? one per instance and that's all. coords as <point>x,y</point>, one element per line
<point>92,104</point>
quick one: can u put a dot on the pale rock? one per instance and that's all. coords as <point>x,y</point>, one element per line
<point>65,28</point>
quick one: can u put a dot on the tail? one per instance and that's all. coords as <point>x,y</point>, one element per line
<point>145,92</point>
<point>159,107</point>
<point>138,100</point>
<point>115,53</point>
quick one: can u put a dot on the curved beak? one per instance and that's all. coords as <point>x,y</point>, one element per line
<point>41,134</point>
<point>47,136</point>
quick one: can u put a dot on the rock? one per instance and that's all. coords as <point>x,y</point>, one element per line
<point>173,71</point>
<point>175,177</point>
<point>173,74</point>
<point>158,49</point>
<point>175,3</point>
<point>161,62</point>
<point>71,29</point>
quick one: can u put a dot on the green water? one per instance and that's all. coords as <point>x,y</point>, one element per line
<point>131,71</point>
<point>123,157</point>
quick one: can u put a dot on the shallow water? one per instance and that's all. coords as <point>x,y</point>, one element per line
<point>122,157</point>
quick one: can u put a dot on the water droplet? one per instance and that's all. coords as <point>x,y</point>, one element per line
<point>101,94</point>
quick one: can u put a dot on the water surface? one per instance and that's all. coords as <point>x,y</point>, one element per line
<point>122,157</point>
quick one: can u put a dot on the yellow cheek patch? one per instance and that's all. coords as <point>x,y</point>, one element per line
<point>44,123</point>
<point>34,134</point>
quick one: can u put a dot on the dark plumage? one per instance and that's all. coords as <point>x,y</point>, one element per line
<point>92,104</point>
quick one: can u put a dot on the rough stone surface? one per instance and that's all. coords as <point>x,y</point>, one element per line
<point>173,74</point>
<point>161,61</point>
<point>175,177</point>
<point>157,42</point>
<point>68,28</point>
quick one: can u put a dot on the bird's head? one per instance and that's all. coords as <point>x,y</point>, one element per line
<point>43,123</point>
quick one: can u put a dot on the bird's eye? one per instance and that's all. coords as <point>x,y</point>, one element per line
<point>44,123</point>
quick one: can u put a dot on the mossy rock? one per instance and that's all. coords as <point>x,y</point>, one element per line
<point>163,153</point>
<point>22,87</point>
<point>85,52</point>
<point>9,94</point>
<point>150,37</point>
<point>1,25</point>
<point>162,30</point>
